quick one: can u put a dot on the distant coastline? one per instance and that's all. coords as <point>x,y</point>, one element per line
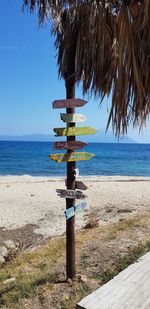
<point>100,137</point>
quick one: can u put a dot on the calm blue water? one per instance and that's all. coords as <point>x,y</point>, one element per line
<point>19,158</point>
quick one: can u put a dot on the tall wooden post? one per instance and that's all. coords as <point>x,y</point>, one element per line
<point>71,157</point>
<point>70,223</point>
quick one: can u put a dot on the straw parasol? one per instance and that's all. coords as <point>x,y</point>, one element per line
<point>105,45</point>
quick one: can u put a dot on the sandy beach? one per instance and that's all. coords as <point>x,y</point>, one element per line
<point>27,201</point>
<point>32,214</point>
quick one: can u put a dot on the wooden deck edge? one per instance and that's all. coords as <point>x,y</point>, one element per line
<point>79,307</point>
<point>129,289</point>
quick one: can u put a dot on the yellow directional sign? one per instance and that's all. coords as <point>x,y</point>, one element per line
<point>74,156</point>
<point>72,131</point>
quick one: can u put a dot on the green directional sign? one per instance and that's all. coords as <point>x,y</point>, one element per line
<point>72,131</point>
<point>74,156</point>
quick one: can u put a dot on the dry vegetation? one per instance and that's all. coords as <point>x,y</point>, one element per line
<point>102,252</point>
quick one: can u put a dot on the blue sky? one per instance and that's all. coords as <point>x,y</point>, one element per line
<point>29,80</point>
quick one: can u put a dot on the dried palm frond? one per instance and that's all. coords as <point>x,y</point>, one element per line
<point>106,46</point>
<point>44,7</point>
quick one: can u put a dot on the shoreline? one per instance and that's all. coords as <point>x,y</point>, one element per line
<point>127,177</point>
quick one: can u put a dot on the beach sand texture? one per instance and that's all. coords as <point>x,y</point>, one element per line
<point>33,200</point>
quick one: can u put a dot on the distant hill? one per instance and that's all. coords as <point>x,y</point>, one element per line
<point>103,137</point>
<point>99,137</point>
<point>28,138</point>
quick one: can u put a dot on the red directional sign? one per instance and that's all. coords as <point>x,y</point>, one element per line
<point>68,103</point>
<point>69,145</point>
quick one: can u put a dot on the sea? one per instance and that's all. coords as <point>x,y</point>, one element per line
<point>31,158</point>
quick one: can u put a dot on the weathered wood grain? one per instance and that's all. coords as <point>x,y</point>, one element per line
<point>129,289</point>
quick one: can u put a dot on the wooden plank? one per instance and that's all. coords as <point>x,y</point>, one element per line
<point>70,212</point>
<point>69,145</point>
<point>73,131</point>
<point>80,207</point>
<point>73,118</point>
<point>129,289</point>
<point>75,210</point>
<point>71,157</point>
<point>68,103</point>
<point>72,194</point>
<point>80,185</point>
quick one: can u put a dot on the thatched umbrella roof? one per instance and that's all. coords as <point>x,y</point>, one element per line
<point>109,42</point>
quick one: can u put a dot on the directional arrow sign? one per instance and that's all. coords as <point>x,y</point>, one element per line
<point>80,207</point>
<point>69,145</point>
<point>70,212</point>
<point>69,157</point>
<point>72,131</point>
<point>73,117</point>
<point>72,194</point>
<point>68,103</point>
<point>80,185</point>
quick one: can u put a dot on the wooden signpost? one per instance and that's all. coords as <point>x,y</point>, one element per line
<point>69,145</point>
<point>73,131</point>
<point>73,118</point>
<point>70,118</point>
<point>69,103</point>
<point>73,194</point>
<point>70,212</point>
<point>70,157</point>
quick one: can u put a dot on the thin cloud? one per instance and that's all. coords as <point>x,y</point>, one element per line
<point>13,47</point>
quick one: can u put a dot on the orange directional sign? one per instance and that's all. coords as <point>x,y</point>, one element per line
<point>69,145</point>
<point>68,103</point>
<point>73,117</point>
<point>74,156</point>
<point>72,131</point>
